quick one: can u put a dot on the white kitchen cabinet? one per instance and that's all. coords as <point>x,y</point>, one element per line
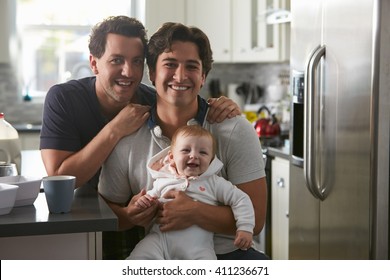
<point>70,246</point>
<point>253,39</point>
<point>214,18</point>
<point>280,208</point>
<point>158,12</point>
<point>236,28</point>
<point>238,31</point>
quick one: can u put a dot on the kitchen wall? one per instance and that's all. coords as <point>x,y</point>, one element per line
<point>261,74</point>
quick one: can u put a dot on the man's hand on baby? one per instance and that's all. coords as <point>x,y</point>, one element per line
<point>243,240</point>
<point>177,213</point>
<point>140,216</point>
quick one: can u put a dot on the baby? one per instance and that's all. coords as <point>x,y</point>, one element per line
<point>190,165</point>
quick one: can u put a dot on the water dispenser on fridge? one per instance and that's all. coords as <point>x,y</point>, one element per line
<point>297,118</point>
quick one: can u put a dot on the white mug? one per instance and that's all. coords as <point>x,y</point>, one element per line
<point>8,169</point>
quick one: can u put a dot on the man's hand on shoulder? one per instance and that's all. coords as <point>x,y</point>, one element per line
<point>129,119</point>
<point>222,108</point>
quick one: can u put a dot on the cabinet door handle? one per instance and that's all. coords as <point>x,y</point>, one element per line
<point>280,182</point>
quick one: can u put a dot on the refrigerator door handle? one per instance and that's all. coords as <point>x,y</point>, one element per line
<point>309,165</point>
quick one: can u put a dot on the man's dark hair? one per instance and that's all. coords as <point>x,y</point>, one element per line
<point>169,32</point>
<point>121,25</point>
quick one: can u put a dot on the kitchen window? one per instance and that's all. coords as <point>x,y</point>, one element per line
<point>53,39</point>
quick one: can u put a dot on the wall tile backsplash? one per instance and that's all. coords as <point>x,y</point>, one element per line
<point>18,111</point>
<point>263,74</point>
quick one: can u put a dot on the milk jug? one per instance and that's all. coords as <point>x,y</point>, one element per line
<point>10,147</point>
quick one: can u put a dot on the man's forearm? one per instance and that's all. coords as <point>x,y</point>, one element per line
<point>123,222</point>
<point>218,219</point>
<point>85,163</point>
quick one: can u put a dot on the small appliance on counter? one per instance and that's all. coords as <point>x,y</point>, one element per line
<point>268,129</point>
<point>235,96</point>
<point>251,93</point>
<point>8,169</point>
<point>215,88</point>
<point>10,146</point>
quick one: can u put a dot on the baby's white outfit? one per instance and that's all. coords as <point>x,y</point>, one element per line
<point>193,242</point>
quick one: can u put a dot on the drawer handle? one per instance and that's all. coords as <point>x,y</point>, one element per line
<point>280,182</point>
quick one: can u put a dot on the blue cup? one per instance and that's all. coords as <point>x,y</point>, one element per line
<point>59,191</point>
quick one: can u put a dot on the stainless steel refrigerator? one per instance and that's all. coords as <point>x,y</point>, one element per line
<point>339,169</point>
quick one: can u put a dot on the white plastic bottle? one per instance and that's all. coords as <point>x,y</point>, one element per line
<point>10,147</point>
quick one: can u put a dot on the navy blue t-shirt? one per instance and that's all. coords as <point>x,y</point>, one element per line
<point>72,117</point>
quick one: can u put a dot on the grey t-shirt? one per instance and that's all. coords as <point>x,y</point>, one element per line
<point>124,173</point>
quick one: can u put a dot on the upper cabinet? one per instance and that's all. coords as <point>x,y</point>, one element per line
<point>253,38</point>
<point>237,29</point>
<point>214,18</point>
<point>157,12</point>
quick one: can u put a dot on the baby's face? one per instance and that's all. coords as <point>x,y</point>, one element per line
<point>192,155</point>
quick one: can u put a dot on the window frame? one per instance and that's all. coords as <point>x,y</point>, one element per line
<point>28,80</point>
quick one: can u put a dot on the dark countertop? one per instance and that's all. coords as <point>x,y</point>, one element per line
<point>89,213</point>
<point>28,127</point>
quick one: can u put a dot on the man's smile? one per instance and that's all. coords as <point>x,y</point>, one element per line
<point>179,88</point>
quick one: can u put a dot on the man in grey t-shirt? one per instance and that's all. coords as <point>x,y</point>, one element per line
<point>179,59</point>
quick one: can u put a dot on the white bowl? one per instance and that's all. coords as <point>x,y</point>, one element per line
<point>7,197</point>
<point>28,188</point>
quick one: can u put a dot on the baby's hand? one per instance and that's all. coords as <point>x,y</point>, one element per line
<point>145,201</point>
<point>243,240</point>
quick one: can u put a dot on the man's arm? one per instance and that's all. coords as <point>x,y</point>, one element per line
<point>85,163</point>
<point>183,212</point>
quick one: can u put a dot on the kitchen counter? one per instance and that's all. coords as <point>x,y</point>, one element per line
<point>32,233</point>
<point>282,152</point>
<point>89,213</point>
<point>28,127</point>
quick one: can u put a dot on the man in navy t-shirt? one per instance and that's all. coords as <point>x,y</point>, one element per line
<point>84,119</point>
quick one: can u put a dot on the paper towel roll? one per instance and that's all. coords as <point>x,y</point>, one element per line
<point>232,94</point>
